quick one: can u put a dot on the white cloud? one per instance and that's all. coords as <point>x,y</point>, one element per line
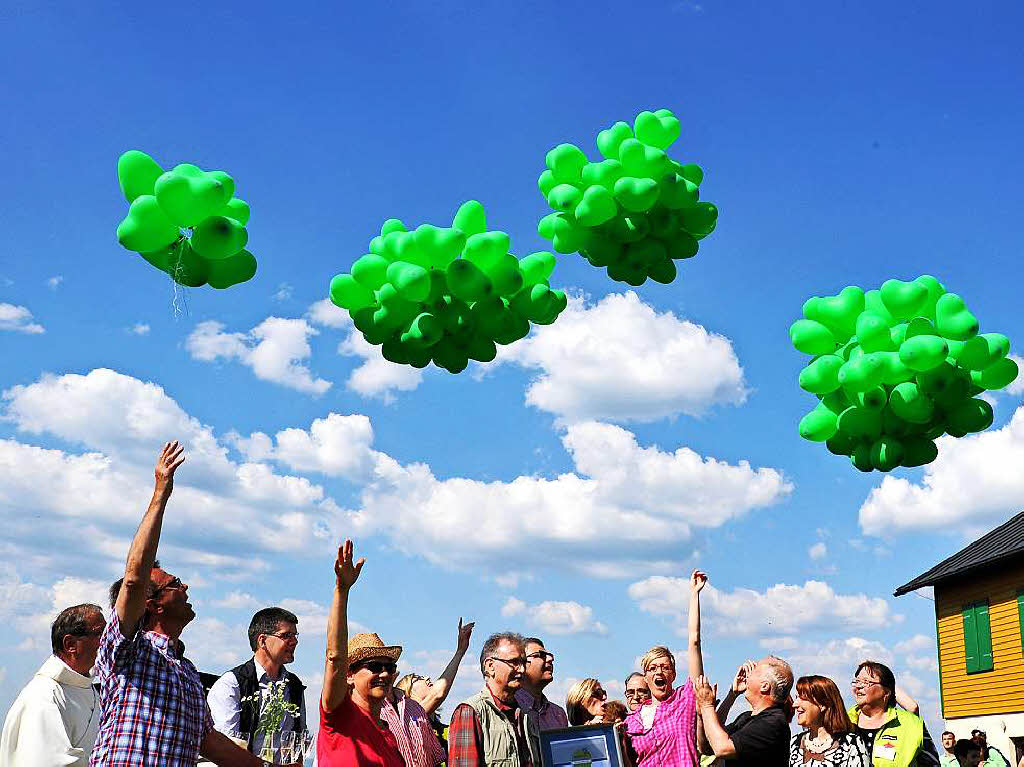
<point>275,351</point>
<point>818,551</point>
<point>974,484</point>
<point>592,520</point>
<point>139,329</point>
<point>18,318</point>
<point>237,600</point>
<point>54,282</point>
<point>1016,388</point>
<point>375,376</point>
<point>781,609</point>
<point>555,617</point>
<point>663,365</point>
<point>284,292</point>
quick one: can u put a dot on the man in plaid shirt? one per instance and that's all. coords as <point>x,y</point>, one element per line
<point>154,707</point>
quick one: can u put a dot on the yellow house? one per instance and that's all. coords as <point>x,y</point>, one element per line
<point>979,616</point>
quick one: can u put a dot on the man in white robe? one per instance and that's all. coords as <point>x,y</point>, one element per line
<point>54,719</point>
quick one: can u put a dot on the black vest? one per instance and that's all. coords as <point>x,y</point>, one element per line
<point>248,684</point>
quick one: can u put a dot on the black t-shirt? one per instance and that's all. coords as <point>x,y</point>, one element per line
<point>760,741</point>
<point>867,734</point>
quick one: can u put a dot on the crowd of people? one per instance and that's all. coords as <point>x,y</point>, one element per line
<point>123,693</point>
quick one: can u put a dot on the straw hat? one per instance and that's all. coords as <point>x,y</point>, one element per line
<point>368,645</point>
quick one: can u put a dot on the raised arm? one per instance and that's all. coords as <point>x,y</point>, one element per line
<point>443,684</point>
<point>714,734</point>
<point>336,662</point>
<point>694,655</point>
<point>131,600</point>
<point>906,701</point>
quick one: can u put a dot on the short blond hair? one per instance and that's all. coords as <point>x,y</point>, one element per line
<point>656,652</point>
<point>576,701</point>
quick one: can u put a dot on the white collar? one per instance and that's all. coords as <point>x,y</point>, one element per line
<point>262,672</point>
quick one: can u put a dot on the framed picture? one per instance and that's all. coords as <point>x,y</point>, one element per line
<point>592,745</point>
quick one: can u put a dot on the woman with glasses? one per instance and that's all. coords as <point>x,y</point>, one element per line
<point>663,731</point>
<point>894,736</point>
<point>584,704</point>
<point>828,738</point>
<point>637,692</point>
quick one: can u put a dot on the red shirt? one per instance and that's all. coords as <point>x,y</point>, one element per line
<point>349,737</point>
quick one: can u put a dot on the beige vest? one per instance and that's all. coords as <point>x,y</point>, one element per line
<point>499,733</point>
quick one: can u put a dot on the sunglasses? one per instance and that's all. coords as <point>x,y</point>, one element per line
<point>542,655</point>
<point>600,694</point>
<point>172,585</point>
<point>377,666</point>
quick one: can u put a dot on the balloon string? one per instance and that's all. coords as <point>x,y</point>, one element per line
<point>179,301</point>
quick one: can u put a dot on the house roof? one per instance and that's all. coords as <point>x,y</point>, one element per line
<point>1004,542</point>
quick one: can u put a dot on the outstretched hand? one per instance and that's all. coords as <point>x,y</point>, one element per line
<point>739,684</point>
<point>706,694</point>
<point>171,457</point>
<point>465,634</point>
<point>698,580</point>
<point>345,572</point>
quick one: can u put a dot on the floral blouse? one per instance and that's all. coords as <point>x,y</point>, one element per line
<point>847,750</point>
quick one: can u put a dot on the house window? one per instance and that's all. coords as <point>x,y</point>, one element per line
<point>977,638</point>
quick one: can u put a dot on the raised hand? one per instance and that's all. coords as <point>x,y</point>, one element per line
<point>465,634</point>
<point>739,684</point>
<point>698,580</point>
<point>345,572</point>
<point>171,457</point>
<point>706,694</point>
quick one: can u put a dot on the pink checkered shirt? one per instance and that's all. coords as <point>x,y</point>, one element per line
<point>672,739</point>
<point>410,725</point>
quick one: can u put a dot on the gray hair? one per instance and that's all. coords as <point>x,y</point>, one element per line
<point>72,621</point>
<point>635,673</point>
<point>494,641</point>
<point>780,676</point>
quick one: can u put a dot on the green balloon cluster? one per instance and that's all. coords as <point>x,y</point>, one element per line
<point>894,369</point>
<point>185,221</point>
<point>446,295</point>
<point>636,212</point>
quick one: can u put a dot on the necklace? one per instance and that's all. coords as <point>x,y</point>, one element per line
<point>818,745</point>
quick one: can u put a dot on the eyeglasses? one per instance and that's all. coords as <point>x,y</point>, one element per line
<point>638,692</point>
<point>172,585</point>
<point>862,682</point>
<point>512,662</point>
<point>378,666</point>
<point>542,655</point>
<point>599,694</point>
<point>286,635</point>
<point>665,669</point>
<point>94,633</point>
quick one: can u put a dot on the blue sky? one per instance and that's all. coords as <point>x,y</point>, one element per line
<point>844,144</point>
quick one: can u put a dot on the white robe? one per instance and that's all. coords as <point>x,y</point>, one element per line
<point>53,721</point>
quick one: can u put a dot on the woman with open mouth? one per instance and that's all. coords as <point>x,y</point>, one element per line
<point>663,732</point>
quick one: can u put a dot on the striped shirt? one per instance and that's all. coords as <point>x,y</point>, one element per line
<point>410,725</point>
<point>154,706</point>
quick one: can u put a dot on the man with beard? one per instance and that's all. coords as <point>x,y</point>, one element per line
<point>153,702</point>
<point>540,672</point>
<point>491,728</point>
<point>357,681</point>
<point>273,637</point>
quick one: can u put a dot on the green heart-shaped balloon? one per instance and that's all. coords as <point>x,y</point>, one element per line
<point>923,352</point>
<point>861,423</point>
<point>841,444</point>
<point>970,416</point>
<point>658,130</point>
<point>565,197</point>
<point>887,453</point>
<point>700,220</point>
<point>411,282</point>
<point>537,267</point>
<point>565,235</point>
<point>424,331</point>
<point>602,251</point>
<point>918,451</point>
<point>983,351</point>
<point>837,401</point>
<point>935,290</point>
<point>636,194</point>
<point>952,318</point>
<point>467,281</point>
<point>610,139</point>
<point>604,173</point>
<point>819,425</point>
<point>236,209</point>
<point>677,192</point>
<point>873,303</point>
<point>822,375</point>
<point>188,195</point>
<point>487,248</point>
<point>838,313</point>
<point>663,271</point>
<point>505,276</point>
<point>137,173</point>
<point>997,375</point>
<point>188,268</point>
<point>470,218</point>
<point>392,225</point>
<point>218,237</point>
<point>439,246</point>
<point>903,299</point>
<point>895,371</point>
<point>346,293</point>
<point>681,245</point>
<point>146,228</point>
<point>370,271</point>
<point>566,162</point>
<point>225,272</point>
<point>865,372</point>
<point>812,337</point>
<point>861,457</point>
<point>872,399</point>
<point>910,403</point>
<point>596,207</point>
<point>873,333</point>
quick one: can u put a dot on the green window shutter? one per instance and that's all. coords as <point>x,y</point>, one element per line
<point>970,639</point>
<point>984,627</point>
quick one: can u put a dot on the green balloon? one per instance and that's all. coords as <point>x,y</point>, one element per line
<point>565,235</point>
<point>449,357</point>
<point>873,303</point>
<point>505,276</point>
<point>566,162</point>
<point>657,129</point>
<point>467,281</point>
<point>663,271</point>
<point>700,220</point>
<point>411,282</point>
<point>969,416</point>
<point>348,294</point>
<point>424,331</point>
<point>983,351</point>
<point>812,337</point>
<point>564,197</point>
<point>841,444</point>
<point>187,267</point>
<point>922,353</point>
<point>865,372</point>
<point>837,401</point>
<point>487,249</point>
<point>822,375</point>
<point>910,403</point>
<point>682,245</point>
<point>363,319</point>
<point>546,181</point>
<point>236,209</point>
<point>819,425</point>
<point>872,399</point>
<point>603,174</point>
<point>918,451</point>
<point>370,271</point>
<point>470,218</point>
<point>188,195</point>
<point>861,422</point>
<point>226,181</point>
<point>482,349</point>
<point>886,453</point>
<point>392,225</point>
<point>935,290</point>
<point>952,318</point>
<point>903,299</point>
<point>438,246</point>
<point>137,173</point>
<point>218,237</point>
<point>537,267</point>
<point>919,326</point>
<point>146,228</point>
<point>636,194</point>
<point>997,375</point>
<point>628,228</point>
<point>225,272</point>
<point>873,333</point>
<point>861,457</point>
<point>895,371</point>
<point>838,313</point>
<point>596,207</point>
<point>610,139</point>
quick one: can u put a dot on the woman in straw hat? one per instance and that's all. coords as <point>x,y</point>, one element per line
<point>356,684</point>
